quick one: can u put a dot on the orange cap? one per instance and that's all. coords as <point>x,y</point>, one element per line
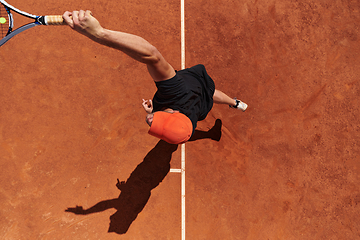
<point>174,128</point>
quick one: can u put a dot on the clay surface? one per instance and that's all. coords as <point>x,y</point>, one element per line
<point>71,124</point>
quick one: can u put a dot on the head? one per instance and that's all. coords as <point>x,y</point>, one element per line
<point>150,116</point>
<point>172,127</point>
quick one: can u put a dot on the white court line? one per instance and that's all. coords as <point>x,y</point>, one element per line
<point>183,145</point>
<point>183,191</point>
<point>182,34</point>
<point>182,170</point>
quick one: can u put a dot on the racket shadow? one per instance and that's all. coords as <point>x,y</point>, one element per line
<point>136,191</point>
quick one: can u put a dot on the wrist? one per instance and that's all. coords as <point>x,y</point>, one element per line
<point>100,33</point>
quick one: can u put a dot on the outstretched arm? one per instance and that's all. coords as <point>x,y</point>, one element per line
<point>99,207</point>
<point>132,45</point>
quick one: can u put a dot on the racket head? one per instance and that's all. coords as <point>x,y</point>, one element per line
<point>6,21</point>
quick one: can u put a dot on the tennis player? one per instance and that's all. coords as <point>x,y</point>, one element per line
<point>182,98</point>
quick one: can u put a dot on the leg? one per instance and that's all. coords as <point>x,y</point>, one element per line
<point>221,98</point>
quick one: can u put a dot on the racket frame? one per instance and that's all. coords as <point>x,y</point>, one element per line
<point>39,20</point>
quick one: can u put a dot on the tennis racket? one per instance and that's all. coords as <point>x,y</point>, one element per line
<point>7,21</point>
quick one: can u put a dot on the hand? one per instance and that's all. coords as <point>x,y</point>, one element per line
<point>84,23</point>
<point>147,104</point>
<point>120,185</point>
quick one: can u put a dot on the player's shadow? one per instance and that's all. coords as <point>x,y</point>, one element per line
<point>136,191</point>
<point>214,133</point>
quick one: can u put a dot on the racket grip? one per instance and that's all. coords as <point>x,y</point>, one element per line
<point>54,20</point>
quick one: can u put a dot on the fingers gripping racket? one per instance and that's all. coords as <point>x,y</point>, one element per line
<point>7,21</point>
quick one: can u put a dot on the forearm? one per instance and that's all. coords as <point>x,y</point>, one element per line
<point>134,46</point>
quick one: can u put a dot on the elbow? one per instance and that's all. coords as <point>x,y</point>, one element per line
<point>153,57</point>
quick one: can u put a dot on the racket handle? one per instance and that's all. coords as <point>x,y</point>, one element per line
<point>54,20</point>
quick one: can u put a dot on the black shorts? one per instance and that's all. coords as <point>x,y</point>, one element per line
<point>191,92</point>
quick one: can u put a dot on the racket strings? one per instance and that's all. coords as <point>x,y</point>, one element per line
<point>4,21</point>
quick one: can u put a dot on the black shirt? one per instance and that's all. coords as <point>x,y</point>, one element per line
<point>190,92</point>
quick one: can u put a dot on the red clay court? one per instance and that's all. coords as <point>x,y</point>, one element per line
<point>71,124</point>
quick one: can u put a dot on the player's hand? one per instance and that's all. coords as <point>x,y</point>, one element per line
<point>84,23</point>
<point>147,104</point>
